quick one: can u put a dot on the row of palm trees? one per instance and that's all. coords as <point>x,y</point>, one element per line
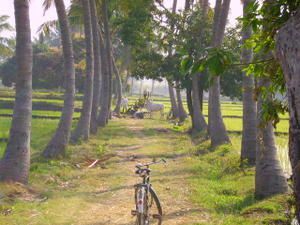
<point>258,142</point>
<point>97,93</point>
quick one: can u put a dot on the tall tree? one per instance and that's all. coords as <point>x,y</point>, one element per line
<point>104,103</point>
<point>105,108</point>
<point>97,67</point>
<point>198,120</point>
<point>174,106</point>
<point>216,124</point>
<point>287,48</point>
<point>16,161</point>
<point>82,130</point>
<point>248,147</point>
<point>57,146</point>
<point>118,86</point>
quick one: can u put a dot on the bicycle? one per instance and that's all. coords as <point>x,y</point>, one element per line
<point>148,208</point>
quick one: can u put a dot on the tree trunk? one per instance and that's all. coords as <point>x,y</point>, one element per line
<point>97,68</point>
<point>189,99</point>
<point>269,177</point>
<point>181,112</point>
<point>248,148</point>
<point>174,108</point>
<point>201,91</point>
<point>16,161</point>
<point>287,49</point>
<point>217,128</point>
<point>118,87</point>
<point>198,120</point>
<point>57,146</point>
<point>105,109</point>
<point>82,130</point>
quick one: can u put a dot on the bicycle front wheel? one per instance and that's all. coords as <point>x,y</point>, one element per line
<point>151,211</point>
<point>154,210</point>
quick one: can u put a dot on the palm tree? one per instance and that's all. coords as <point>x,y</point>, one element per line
<point>287,42</point>
<point>174,107</point>
<point>97,68</point>
<point>269,177</point>
<point>248,148</point>
<point>106,88</point>
<point>198,120</point>
<point>57,146</point>
<point>104,103</point>
<point>216,124</point>
<point>118,86</point>
<point>82,130</point>
<point>16,161</point>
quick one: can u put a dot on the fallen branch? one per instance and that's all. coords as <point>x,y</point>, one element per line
<point>105,158</point>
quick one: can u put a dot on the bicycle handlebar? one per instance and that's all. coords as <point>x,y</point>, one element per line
<point>149,164</point>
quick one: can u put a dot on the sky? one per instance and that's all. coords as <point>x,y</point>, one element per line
<point>37,16</point>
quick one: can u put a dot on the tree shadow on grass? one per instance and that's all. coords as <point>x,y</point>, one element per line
<point>237,207</point>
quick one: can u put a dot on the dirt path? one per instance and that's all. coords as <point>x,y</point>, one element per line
<point>115,198</point>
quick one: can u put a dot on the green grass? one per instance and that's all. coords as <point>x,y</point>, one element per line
<point>43,113</point>
<point>221,185</point>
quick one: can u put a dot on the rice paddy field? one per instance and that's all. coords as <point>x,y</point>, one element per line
<point>47,105</point>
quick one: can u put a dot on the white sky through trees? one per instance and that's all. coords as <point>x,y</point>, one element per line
<point>37,18</point>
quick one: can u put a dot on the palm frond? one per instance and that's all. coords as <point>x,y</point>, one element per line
<point>46,5</point>
<point>48,27</point>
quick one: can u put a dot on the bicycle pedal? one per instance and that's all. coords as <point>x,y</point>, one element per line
<point>156,216</point>
<point>133,212</point>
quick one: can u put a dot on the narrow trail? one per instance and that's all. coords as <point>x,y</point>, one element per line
<point>115,197</point>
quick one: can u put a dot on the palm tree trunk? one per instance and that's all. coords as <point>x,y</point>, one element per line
<point>217,128</point>
<point>198,120</point>
<point>107,89</point>
<point>288,42</point>
<point>181,112</point>
<point>118,87</point>
<point>57,146</point>
<point>104,110</point>
<point>189,100</point>
<point>248,148</point>
<point>82,130</point>
<point>269,177</point>
<point>174,107</point>
<point>16,161</point>
<point>97,68</point>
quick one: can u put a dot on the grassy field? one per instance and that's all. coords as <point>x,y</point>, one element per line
<point>199,186</point>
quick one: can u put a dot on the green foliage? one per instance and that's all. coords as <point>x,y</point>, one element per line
<point>48,67</point>
<point>6,44</point>
<point>266,18</point>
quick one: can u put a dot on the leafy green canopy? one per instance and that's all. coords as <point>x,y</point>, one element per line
<point>266,18</point>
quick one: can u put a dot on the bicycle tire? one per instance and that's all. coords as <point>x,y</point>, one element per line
<point>158,206</point>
